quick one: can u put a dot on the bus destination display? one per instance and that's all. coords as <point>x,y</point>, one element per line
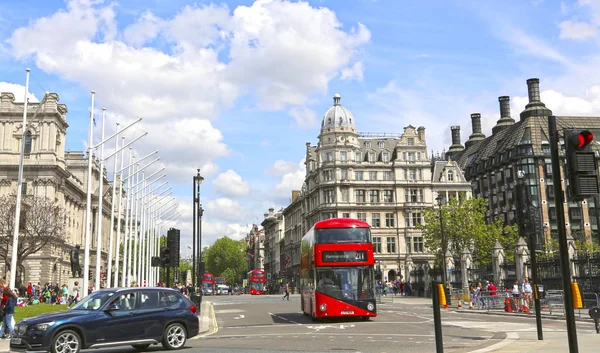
<point>344,256</point>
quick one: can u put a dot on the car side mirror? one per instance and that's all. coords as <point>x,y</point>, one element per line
<point>114,306</point>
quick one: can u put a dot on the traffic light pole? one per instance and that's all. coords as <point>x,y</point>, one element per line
<point>562,236</point>
<point>168,277</point>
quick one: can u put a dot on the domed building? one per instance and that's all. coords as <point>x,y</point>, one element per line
<point>386,179</point>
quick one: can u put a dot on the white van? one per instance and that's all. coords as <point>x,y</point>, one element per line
<point>222,289</point>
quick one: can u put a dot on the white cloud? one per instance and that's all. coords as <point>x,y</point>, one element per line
<point>292,177</point>
<point>18,91</point>
<point>225,209</point>
<point>354,72</point>
<point>577,30</point>
<point>561,104</point>
<point>231,184</point>
<point>305,117</point>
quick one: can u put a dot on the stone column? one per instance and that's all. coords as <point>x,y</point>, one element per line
<point>521,257</point>
<point>465,261</point>
<point>450,267</point>
<point>498,260</point>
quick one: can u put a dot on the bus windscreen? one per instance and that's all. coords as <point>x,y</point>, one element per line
<point>346,283</point>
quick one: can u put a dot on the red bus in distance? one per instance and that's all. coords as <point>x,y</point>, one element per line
<point>258,282</point>
<point>208,284</point>
<point>220,280</point>
<point>337,270</point>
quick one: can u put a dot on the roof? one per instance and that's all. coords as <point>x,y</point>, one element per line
<point>341,223</point>
<point>337,115</point>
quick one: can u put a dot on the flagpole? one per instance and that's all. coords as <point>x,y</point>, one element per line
<point>111,242</point>
<point>88,210</point>
<point>100,206</point>
<point>15,244</point>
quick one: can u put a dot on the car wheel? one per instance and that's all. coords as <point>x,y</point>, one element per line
<point>174,337</point>
<point>140,347</point>
<point>67,341</point>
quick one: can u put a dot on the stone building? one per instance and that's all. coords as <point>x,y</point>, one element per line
<point>384,179</point>
<point>255,252</point>
<point>519,152</point>
<point>52,172</point>
<point>274,226</point>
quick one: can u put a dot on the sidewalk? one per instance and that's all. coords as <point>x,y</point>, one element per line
<point>554,342</point>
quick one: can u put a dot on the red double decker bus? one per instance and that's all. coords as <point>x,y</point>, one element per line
<point>208,284</point>
<point>257,281</point>
<point>337,270</point>
<point>220,280</point>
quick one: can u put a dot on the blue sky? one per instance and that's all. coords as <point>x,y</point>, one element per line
<point>238,87</point>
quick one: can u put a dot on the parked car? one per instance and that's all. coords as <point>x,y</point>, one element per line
<point>137,317</point>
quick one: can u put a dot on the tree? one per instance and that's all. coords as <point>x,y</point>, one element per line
<point>42,222</point>
<point>465,226</point>
<point>224,255</point>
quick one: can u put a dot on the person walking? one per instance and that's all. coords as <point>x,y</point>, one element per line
<point>287,291</point>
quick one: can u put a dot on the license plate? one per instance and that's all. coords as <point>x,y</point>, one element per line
<point>347,312</point>
<point>15,340</point>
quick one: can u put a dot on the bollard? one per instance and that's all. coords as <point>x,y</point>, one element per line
<point>595,315</point>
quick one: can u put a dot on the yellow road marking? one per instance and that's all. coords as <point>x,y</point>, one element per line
<point>215,326</point>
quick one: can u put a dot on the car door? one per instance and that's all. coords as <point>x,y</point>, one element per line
<point>151,316</point>
<point>120,319</point>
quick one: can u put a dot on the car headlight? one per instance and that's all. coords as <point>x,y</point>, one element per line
<point>370,306</point>
<point>323,307</point>
<point>44,326</point>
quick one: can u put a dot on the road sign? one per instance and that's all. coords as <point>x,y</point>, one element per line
<point>268,276</point>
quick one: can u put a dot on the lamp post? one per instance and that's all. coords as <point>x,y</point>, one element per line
<point>440,201</point>
<point>530,232</point>
<point>197,230</point>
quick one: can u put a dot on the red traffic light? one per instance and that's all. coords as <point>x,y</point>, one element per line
<point>582,138</point>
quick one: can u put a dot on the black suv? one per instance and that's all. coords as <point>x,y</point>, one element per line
<point>112,317</point>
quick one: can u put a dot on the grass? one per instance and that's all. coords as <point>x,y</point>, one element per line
<point>23,312</point>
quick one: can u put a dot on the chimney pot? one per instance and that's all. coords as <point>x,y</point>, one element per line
<point>505,106</point>
<point>476,123</point>
<point>533,89</point>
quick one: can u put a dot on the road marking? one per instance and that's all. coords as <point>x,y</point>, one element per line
<point>286,319</point>
<point>510,338</point>
<point>313,333</point>
<point>229,311</point>
<point>239,317</point>
<point>318,328</point>
<point>215,325</point>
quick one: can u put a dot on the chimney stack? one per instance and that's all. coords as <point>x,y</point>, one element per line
<point>456,146</point>
<point>535,107</point>
<point>271,210</point>
<point>421,133</point>
<point>295,194</point>
<point>477,135</point>
<point>505,119</point>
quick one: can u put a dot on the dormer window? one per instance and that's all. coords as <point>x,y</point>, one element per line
<point>358,157</point>
<point>368,144</point>
<point>450,175</point>
<point>371,157</point>
<point>410,141</point>
<point>381,145</point>
<point>385,157</point>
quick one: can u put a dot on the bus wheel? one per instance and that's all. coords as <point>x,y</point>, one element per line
<point>365,318</point>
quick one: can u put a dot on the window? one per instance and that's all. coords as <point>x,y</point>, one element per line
<point>389,220</point>
<point>385,157</point>
<point>377,245</point>
<point>345,215</point>
<point>413,195</point>
<point>344,174</point>
<point>150,300</point>
<point>415,219</point>
<point>411,156</point>
<point>450,175</point>
<point>387,175</point>
<point>411,141</point>
<point>359,195</point>
<point>418,244</point>
<point>371,157</point>
<point>329,197</point>
<point>412,174</point>
<point>361,216</point>
<point>345,197</point>
<point>381,145</point>
<point>391,245</point>
<point>328,157</point>
<point>24,189</point>
<point>28,142</point>
<point>372,175</point>
<point>328,175</point>
<point>368,144</point>
<point>358,176</point>
<point>375,220</point>
<point>358,157</point>
<point>343,155</point>
<point>388,196</point>
<point>374,196</point>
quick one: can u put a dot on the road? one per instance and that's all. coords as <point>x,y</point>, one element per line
<point>267,324</point>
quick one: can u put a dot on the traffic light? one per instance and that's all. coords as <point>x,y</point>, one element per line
<point>173,245</point>
<point>165,257</point>
<point>582,166</point>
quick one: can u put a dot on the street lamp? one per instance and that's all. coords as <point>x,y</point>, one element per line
<point>197,229</point>
<point>526,219</point>
<point>440,201</point>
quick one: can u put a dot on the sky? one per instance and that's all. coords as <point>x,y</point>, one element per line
<point>237,88</point>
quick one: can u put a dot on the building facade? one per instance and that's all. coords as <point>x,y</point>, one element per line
<point>384,179</point>
<point>274,227</point>
<point>518,153</point>
<point>255,250</point>
<point>50,171</point>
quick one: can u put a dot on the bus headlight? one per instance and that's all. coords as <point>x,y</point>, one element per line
<point>370,306</point>
<point>323,307</point>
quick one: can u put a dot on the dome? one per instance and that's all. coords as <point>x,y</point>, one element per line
<point>337,115</point>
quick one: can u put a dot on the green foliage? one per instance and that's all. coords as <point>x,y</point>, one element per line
<point>23,312</point>
<point>465,226</point>
<point>226,257</point>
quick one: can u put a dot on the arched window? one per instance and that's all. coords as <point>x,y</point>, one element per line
<point>28,141</point>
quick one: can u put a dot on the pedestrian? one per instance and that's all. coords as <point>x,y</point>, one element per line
<point>287,291</point>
